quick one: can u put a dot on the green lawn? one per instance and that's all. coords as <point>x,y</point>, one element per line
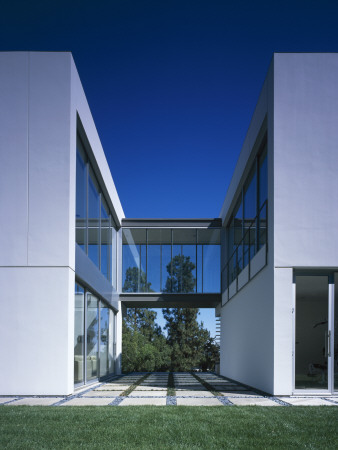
<point>174,427</point>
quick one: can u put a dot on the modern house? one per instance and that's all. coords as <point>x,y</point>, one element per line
<point>71,262</point>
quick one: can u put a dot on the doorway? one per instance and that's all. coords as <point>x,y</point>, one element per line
<point>315,352</point>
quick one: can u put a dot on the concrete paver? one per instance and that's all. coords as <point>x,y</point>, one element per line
<point>6,399</point>
<point>102,394</point>
<point>34,401</point>
<point>148,394</point>
<point>150,388</point>
<point>201,393</point>
<point>82,401</point>
<point>132,401</point>
<point>240,394</point>
<point>306,401</point>
<point>198,401</point>
<point>118,387</point>
<point>253,401</point>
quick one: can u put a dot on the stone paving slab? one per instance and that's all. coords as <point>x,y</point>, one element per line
<point>82,401</point>
<point>6,399</point>
<point>34,401</point>
<point>198,401</point>
<point>102,394</point>
<point>253,401</point>
<point>143,401</point>
<point>240,394</point>
<point>118,387</point>
<point>230,388</point>
<point>306,401</point>
<point>190,388</point>
<point>194,394</point>
<point>148,393</point>
<point>150,388</point>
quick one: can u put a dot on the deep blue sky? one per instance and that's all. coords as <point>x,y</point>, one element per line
<point>172,85</point>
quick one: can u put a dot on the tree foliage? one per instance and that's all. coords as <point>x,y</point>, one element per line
<point>144,347</point>
<point>190,343</point>
<point>136,281</point>
<point>180,275</point>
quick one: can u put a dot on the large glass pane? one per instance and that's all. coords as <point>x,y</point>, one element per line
<point>93,219</point>
<point>199,268</point>
<point>263,196</point>
<point>104,339</point>
<point>154,260</point>
<point>184,261</point>
<point>134,260</point>
<point>166,268</point>
<point>79,334</point>
<point>311,332</point>
<point>105,240</point>
<point>92,336</point>
<point>210,240</point>
<point>250,212</point>
<point>112,342</point>
<point>113,258</point>
<point>81,196</point>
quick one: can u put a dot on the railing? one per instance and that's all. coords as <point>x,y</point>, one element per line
<point>254,239</point>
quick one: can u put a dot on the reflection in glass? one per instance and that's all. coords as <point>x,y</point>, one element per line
<point>81,196</point>
<point>159,266</point>
<point>104,339</point>
<point>166,268</point>
<point>92,336</point>
<point>79,333</point>
<point>311,332</point>
<point>250,213</point>
<point>93,219</point>
<point>105,240</point>
<point>134,261</point>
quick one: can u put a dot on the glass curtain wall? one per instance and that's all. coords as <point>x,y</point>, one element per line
<point>94,337</point>
<point>79,334</point>
<point>104,339</point>
<point>95,231</point>
<point>247,226</point>
<point>171,260</point>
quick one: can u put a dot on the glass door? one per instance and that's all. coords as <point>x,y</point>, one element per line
<point>312,336</point>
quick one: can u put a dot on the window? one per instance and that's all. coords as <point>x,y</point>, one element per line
<point>171,260</point>
<point>95,232</point>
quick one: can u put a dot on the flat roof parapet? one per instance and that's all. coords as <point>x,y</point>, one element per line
<point>172,223</point>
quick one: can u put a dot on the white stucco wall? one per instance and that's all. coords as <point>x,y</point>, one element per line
<point>247,320</point>
<point>305,183</point>
<point>306,160</point>
<point>40,97</point>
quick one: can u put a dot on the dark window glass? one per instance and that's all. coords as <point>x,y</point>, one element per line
<point>263,196</point>
<point>81,197</point>
<point>93,219</point>
<point>250,212</point>
<point>106,240</point>
<point>133,260</point>
<point>79,335</point>
<point>166,268</point>
<point>104,339</point>
<point>92,336</point>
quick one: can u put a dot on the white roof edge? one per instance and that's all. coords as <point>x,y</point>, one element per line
<point>83,110</point>
<point>249,141</point>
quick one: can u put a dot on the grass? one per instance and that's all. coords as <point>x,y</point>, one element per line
<point>179,427</point>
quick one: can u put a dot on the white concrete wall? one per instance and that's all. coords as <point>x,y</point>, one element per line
<point>247,334</point>
<point>306,160</point>
<point>247,320</point>
<point>37,255</point>
<point>40,97</point>
<point>305,185</point>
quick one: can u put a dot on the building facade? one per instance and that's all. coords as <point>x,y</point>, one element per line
<point>71,262</point>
